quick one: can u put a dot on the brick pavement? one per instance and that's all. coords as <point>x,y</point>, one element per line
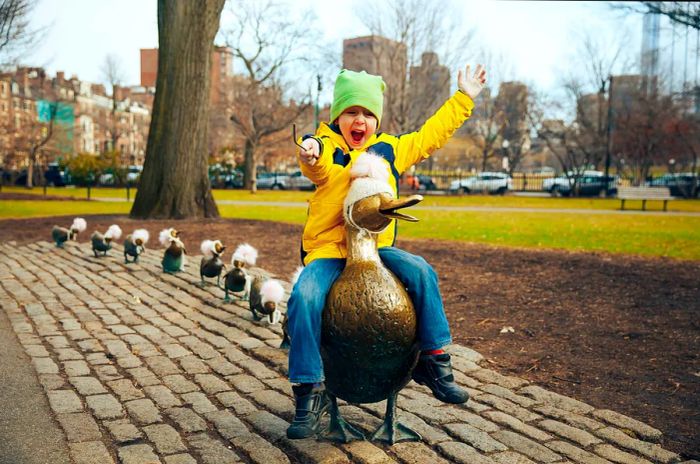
<point>143,367</point>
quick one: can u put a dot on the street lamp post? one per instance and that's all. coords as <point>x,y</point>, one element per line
<point>318,92</point>
<point>505,163</point>
<point>608,149</point>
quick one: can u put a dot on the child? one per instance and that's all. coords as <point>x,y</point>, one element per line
<point>326,159</point>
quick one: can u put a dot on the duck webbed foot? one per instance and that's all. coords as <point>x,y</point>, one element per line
<point>393,431</point>
<point>338,430</point>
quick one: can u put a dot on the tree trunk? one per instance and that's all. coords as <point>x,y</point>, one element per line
<point>251,168</point>
<point>30,172</point>
<point>175,182</point>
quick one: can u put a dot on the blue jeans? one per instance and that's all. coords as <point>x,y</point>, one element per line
<point>308,299</point>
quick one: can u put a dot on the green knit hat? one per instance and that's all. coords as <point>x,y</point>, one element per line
<point>358,89</point>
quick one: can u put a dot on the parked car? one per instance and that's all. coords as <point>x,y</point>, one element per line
<point>588,183</point>
<point>680,184</point>
<point>426,182</point>
<point>272,180</point>
<point>107,178</point>
<point>488,182</point>
<point>233,179</point>
<point>133,174</point>
<point>55,176</point>
<point>297,180</point>
<point>416,182</point>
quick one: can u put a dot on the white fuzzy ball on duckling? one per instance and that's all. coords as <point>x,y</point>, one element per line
<point>114,232</point>
<point>207,248</point>
<point>140,234</point>
<point>271,290</point>
<point>166,236</point>
<point>79,224</point>
<point>245,253</point>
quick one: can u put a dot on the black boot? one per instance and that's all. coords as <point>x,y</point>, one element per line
<point>311,403</point>
<point>435,372</point>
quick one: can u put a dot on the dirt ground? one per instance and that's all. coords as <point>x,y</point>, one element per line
<point>617,332</point>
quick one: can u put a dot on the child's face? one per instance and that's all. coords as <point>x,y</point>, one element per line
<point>357,125</point>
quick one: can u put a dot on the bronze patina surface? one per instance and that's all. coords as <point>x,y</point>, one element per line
<point>369,331</point>
<point>100,244</point>
<point>133,248</point>
<point>211,267</point>
<point>173,257</point>
<point>368,343</point>
<point>255,300</point>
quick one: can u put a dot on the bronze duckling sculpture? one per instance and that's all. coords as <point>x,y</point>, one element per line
<point>103,243</point>
<point>174,257</point>
<point>369,326</point>
<point>211,265</point>
<point>237,280</point>
<point>135,245</point>
<point>265,297</point>
<point>60,235</point>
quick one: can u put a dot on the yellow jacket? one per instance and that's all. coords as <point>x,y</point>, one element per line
<point>324,232</point>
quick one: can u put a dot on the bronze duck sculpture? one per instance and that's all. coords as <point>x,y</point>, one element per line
<point>60,235</point>
<point>265,297</point>
<point>237,280</point>
<point>369,325</point>
<point>211,265</point>
<point>135,245</point>
<point>103,243</point>
<point>174,256</point>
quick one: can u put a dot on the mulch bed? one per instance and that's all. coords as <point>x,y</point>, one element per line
<point>618,332</point>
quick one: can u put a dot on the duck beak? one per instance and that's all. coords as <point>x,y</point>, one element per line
<point>388,206</point>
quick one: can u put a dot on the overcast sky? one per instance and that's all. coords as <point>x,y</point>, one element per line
<point>537,38</point>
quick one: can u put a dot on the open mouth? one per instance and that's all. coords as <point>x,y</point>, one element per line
<point>357,136</point>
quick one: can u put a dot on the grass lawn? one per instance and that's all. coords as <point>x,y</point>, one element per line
<point>22,209</point>
<point>658,235</point>
<point>672,236</point>
<point>507,201</point>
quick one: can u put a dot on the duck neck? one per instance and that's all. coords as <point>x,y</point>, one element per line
<point>362,245</point>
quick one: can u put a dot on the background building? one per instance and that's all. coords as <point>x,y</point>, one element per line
<point>384,57</point>
<point>220,74</point>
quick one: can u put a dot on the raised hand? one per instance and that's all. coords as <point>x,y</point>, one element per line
<point>309,151</point>
<point>472,85</point>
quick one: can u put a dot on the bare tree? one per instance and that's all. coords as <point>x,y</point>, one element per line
<point>686,13</point>
<point>486,126</point>
<point>40,122</point>
<point>489,120</point>
<point>267,41</point>
<point>583,143</point>
<point>15,34</point>
<point>650,129</point>
<point>113,73</point>
<point>175,182</point>
<point>415,84</point>
<point>34,138</point>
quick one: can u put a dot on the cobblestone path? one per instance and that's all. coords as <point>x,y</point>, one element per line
<point>144,367</point>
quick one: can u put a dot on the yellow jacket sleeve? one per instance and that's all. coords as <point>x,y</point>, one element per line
<point>416,146</point>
